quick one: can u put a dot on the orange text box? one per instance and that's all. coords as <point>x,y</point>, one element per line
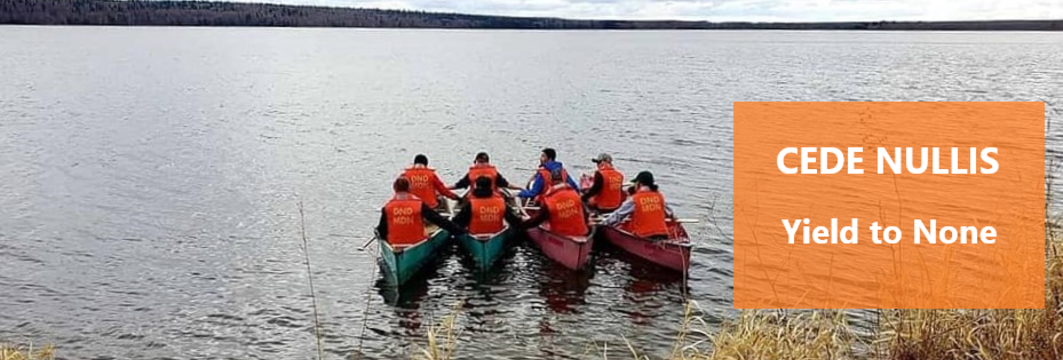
<point>1004,200</point>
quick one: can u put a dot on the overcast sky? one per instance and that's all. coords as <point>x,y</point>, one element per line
<point>728,10</point>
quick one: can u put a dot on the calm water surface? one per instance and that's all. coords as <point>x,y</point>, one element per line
<point>149,177</point>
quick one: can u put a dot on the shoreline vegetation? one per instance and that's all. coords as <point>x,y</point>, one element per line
<point>950,334</point>
<point>955,334</point>
<point>210,13</point>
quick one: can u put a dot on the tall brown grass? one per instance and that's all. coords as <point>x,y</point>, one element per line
<point>768,334</point>
<point>440,340</point>
<point>1035,334</point>
<point>982,334</point>
<point>13,352</point>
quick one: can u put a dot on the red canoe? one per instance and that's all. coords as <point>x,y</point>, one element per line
<point>673,253</point>
<point>572,252</point>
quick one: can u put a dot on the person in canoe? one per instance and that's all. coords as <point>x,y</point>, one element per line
<point>426,185</point>
<point>647,209</point>
<point>561,208</point>
<point>482,167</point>
<point>403,218</point>
<point>547,164</point>
<point>485,212</point>
<point>607,192</point>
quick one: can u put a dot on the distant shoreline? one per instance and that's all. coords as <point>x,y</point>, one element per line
<point>225,14</point>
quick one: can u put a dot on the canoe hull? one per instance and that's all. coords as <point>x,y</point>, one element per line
<point>486,250</point>
<point>673,254</point>
<point>571,252</point>
<point>400,266</point>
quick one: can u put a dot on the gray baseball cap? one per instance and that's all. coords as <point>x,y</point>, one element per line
<point>603,157</point>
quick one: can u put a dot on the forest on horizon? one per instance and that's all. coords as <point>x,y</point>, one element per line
<point>211,13</point>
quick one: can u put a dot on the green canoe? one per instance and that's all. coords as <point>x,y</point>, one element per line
<point>486,248</point>
<point>401,264</point>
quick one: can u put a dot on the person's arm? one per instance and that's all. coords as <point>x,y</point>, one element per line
<point>502,183</point>
<point>537,187</point>
<point>512,218</point>
<point>463,216</point>
<point>433,217</point>
<point>539,218</point>
<point>620,214</point>
<point>508,185</point>
<point>572,182</point>
<point>586,214</point>
<point>461,184</point>
<point>668,211</point>
<point>441,188</point>
<point>382,227</point>
<point>596,188</point>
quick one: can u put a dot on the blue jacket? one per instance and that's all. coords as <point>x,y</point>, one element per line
<point>537,185</point>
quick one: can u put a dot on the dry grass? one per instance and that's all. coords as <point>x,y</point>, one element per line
<point>767,335</point>
<point>782,335</point>
<point>441,340</point>
<point>981,334</point>
<point>818,334</point>
<point>12,352</point>
<point>903,334</point>
<point>777,335</point>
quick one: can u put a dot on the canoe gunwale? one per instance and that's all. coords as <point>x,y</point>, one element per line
<point>680,241</point>
<point>402,249</point>
<point>584,244</point>
<point>392,257</point>
<point>489,237</point>
<point>679,246</point>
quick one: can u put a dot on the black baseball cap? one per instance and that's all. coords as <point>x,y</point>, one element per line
<point>644,177</point>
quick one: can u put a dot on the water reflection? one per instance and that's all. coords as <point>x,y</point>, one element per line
<point>563,289</point>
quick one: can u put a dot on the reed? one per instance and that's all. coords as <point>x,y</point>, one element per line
<point>441,340</point>
<point>1024,334</point>
<point>15,352</point>
<point>981,334</point>
<point>310,280</point>
<point>768,335</point>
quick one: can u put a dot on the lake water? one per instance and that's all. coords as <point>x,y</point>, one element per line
<point>150,177</point>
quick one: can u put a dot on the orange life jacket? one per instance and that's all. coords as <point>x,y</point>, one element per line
<point>566,211</point>
<point>405,221</point>
<point>422,184</point>
<point>611,195</point>
<point>649,216</point>
<point>487,170</point>
<point>488,214</point>
<point>547,180</point>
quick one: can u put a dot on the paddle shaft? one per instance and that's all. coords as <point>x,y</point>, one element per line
<point>600,219</point>
<point>367,243</point>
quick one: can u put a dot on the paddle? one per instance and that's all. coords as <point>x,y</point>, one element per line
<point>376,234</point>
<point>367,243</point>
<point>600,219</point>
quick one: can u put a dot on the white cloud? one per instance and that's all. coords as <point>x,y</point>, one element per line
<point>730,10</point>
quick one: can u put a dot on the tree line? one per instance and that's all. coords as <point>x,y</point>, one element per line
<point>211,13</point>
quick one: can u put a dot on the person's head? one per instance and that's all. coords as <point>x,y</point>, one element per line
<point>547,155</point>
<point>557,176</point>
<point>420,159</point>
<point>483,182</point>
<point>482,158</point>
<point>645,178</point>
<point>603,158</point>
<point>402,184</point>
